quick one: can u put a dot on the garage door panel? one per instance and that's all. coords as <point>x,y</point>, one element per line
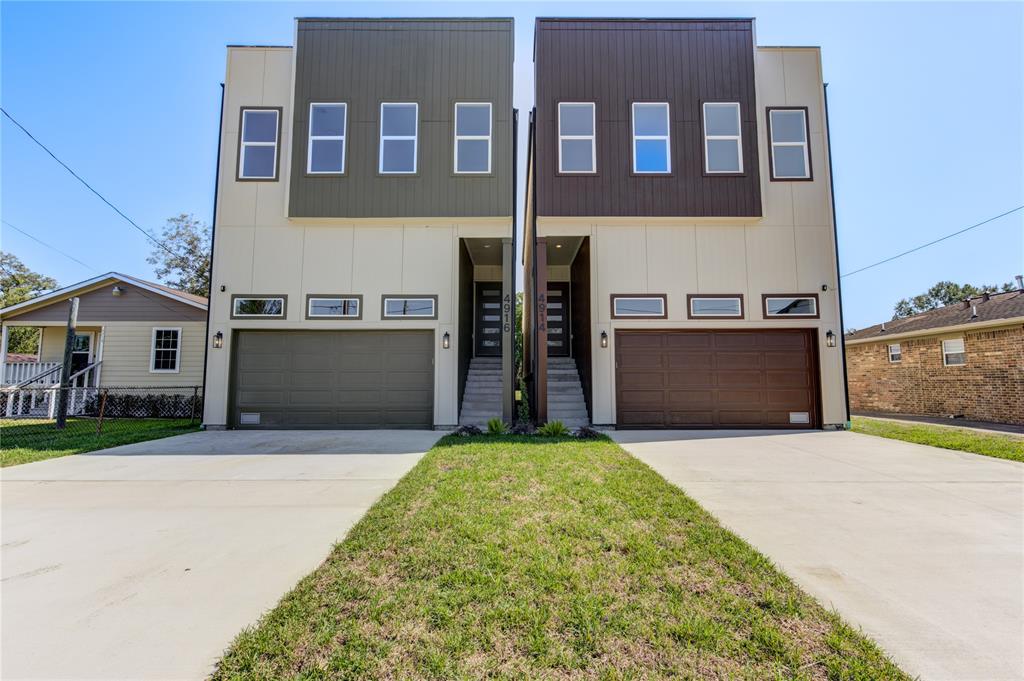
<point>334,379</point>
<point>716,378</point>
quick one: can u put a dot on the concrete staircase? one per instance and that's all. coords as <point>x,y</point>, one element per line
<point>482,400</point>
<point>565,394</point>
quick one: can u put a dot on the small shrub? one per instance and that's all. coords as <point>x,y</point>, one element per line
<point>467,431</point>
<point>524,402</point>
<point>588,433</point>
<point>553,429</point>
<point>523,428</point>
<point>496,426</point>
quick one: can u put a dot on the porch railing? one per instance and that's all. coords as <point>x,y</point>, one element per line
<point>19,372</point>
<point>35,398</point>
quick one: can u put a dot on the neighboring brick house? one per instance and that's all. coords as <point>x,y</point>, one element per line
<point>964,360</point>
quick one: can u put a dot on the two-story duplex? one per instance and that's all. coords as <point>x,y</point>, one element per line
<point>679,245</point>
<point>363,237</point>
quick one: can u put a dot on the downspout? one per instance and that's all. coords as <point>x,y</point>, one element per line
<point>213,240</point>
<point>839,285</point>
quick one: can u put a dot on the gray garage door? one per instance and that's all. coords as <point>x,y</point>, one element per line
<point>333,379</point>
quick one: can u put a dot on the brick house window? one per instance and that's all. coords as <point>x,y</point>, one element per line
<point>895,355</point>
<point>953,352</point>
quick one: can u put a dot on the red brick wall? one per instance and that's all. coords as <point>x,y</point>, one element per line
<point>990,387</point>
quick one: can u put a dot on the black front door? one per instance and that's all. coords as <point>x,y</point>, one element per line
<point>488,319</point>
<point>558,319</point>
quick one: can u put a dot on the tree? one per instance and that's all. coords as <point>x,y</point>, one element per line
<point>17,284</point>
<point>942,294</point>
<point>187,266</point>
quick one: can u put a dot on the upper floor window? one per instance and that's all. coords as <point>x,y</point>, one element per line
<point>651,138</point>
<point>165,350</point>
<point>953,352</point>
<point>423,307</point>
<point>577,148</point>
<point>257,152</point>
<point>327,123</point>
<point>895,353</point>
<point>791,306</point>
<point>399,127</point>
<point>788,133</point>
<point>258,306</point>
<point>472,137</point>
<point>715,306</point>
<point>329,307</point>
<point>723,143</point>
<point>640,307</point>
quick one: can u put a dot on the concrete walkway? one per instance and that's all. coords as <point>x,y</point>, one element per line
<point>145,561</point>
<point>921,547</point>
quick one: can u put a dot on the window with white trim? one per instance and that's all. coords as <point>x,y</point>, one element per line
<point>638,306</point>
<point>405,308</point>
<point>787,129</point>
<point>258,306</point>
<point>472,138</point>
<point>723,141</point>
<point>333,308</point>
<point>953,352</point>
<point>895,353</point>
<point>716,306</point>
<point>577,140</point>
<point>257,153</point>
<point>399,129</point>
<point>165,351</point>
<point>791,306</point>
<point>651,148</point>
<point>327,126</point>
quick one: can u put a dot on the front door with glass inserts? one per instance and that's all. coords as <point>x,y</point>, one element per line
<point>558,319</point>
<point>488,319</point>
<point>81,352</point>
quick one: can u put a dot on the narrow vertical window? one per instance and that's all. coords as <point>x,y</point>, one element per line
<point>577,151</point>
<point>787,129</point>
<point>257,153</point>
<point>723,144</point>
<point>399,127</point>
<point>472,137</point>
<point>651,138</point>
<point>327,124</point>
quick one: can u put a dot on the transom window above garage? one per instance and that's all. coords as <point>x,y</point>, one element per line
<point>334,307</point>
<point>639,307</point>
<point>258,306</point>
<point>715,306</point>
<point>791,306</point>
<point>419,307</point>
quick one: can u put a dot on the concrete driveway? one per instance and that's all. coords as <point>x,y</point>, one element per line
<point>145,561</point>
<point>921,547</point>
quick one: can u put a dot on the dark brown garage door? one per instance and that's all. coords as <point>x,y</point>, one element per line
<point>333,379</point>
<point>716,379</point>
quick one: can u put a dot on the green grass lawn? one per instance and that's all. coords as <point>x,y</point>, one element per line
<point>986,444</point>
<point>24,441</point>
<point>515,557</point>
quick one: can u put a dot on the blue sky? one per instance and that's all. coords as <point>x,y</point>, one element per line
<point>926,108</point>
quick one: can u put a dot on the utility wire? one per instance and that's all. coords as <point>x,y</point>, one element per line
<point>932,243</point>
<point>88,186</point>
<point>52,248</point>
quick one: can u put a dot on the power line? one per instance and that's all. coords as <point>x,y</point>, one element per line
<point>88,186</point>
<point>52,248</point>
<point>932,243</point>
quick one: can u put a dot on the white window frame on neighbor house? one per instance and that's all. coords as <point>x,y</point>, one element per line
<point>488,137</point>
<point>153,349</point>
<point>237,315</point>
<point>666,138</point>
<point>431,299</point>
<point>592,137</point>
<point>947,352</point>
<point>327,138</point>
<point>243,145</point>
<point>738,137</point>
<point>341,300</point>
<point>415,137</point>
<point>895,356</point>
<point>805,145</point>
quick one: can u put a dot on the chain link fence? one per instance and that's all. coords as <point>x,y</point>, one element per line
<point>96,417</point>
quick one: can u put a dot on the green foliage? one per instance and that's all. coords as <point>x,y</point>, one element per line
<point>524,402</point>
<point>496,426</point>
<point>517,357</point>
<point>188,269</point>
<point>942,294</point>
<point>987,444</point>
<point>553,429</point>
<point>17,284</point>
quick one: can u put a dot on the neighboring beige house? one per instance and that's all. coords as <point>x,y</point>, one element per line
<point>964,360</point>
<point>130,332</point>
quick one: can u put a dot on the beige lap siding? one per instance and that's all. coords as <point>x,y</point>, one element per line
<point>127,348</point>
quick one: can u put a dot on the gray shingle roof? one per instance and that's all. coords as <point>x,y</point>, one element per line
<point>998,306</point>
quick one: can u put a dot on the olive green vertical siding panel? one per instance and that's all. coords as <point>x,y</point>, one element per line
<point>432,62</point>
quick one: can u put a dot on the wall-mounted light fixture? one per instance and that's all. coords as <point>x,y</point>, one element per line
<point>604,339</point>
<point>446,340</point>
<point>830,339</point>
<point>218,340</point>
<point>117,290</point>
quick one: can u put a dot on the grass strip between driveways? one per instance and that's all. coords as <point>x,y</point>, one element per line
<point>519,557</point>
<point>23,441</point>
<point>961,439</point>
